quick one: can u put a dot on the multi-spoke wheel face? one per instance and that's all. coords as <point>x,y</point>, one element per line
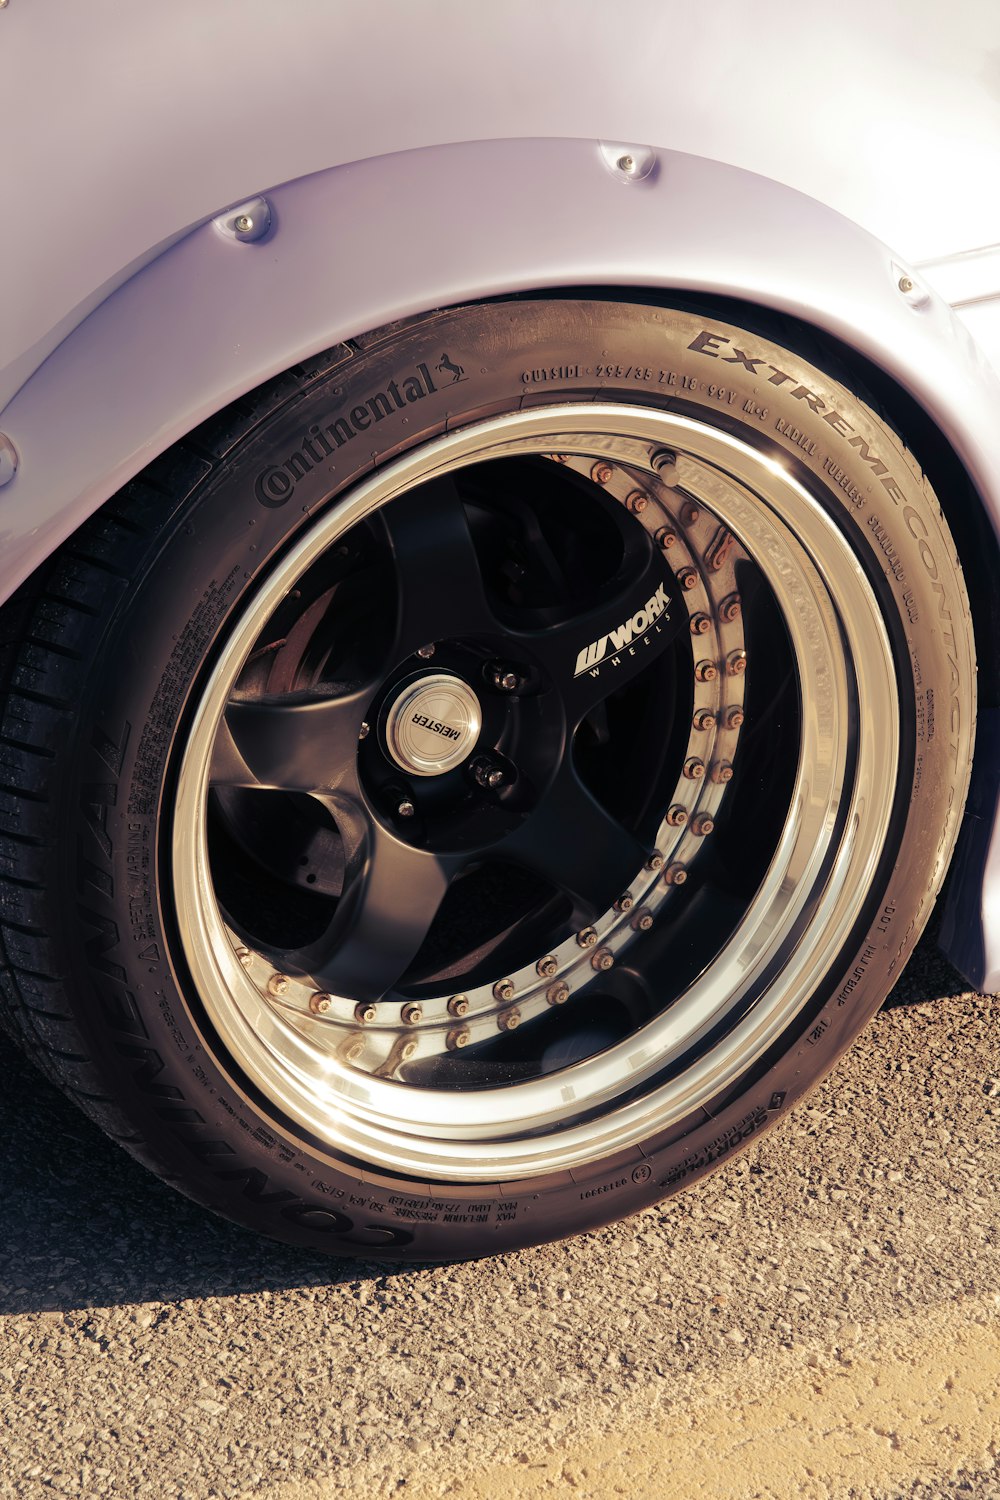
<point>532,791</point>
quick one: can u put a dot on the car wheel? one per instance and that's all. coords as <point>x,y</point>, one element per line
<point>474,784</point>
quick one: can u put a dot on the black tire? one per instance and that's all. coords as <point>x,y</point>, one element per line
<point>117,645</point>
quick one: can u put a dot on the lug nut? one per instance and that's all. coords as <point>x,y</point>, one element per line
<point>676,816</point>
<point>509,1020</point>
<point>688,578</point>
<point>730,608</point>
<point>665,465</point>
<point>364,1012</point>
<point>601,473</point>
<point>694,769</point>
<point>457,1037</point>
<point>734,717</point>
<point>245,957</point>
<point>722,771</point>
<point>458,1005</point>
<point>488,776</point>
<point>426,651</point>
<point>637,502</point>
<point>504,680</point>
<point>557,994</point>
<point>700,624</point>
<point>690,513</point>
<point>277,984</point>
<point>736,663</point>
<point>503,989</point>
<point>625,901</point>
<point>643,920</point>
<point>547,966</point>
<point>411,1015</point>
<point>706,671</point>
<point>320,1003</point>
<point>602,960</point>
<point>665,538</point>
<point>655,861</point>
<point>405,809</point>
<point>364,731</point>
<point>704,719</point>
<point>587,938</point>
<point>702,824</point>
<point>675,875</point>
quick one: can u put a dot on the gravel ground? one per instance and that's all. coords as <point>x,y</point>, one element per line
<point>821,1318</point>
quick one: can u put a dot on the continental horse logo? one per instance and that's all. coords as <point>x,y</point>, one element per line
<point>275,485</point>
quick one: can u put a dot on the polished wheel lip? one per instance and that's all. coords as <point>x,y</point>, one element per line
<point>826,855</point>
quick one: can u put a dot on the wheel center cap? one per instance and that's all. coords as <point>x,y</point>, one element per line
<point>433,725</point>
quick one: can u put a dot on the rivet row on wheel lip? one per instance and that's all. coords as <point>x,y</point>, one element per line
<point>378,1045</point>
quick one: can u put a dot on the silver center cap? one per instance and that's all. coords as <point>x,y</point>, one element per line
<point>433,725</point>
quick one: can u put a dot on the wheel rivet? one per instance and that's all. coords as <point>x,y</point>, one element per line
<point>601,473</point>
<point>509,1021</point>
<point>706,671</point>
<point>557,994</point>
<point>364,731</point>
<point>637,502</point>
<point>503,989</point>
<point>655,861</point>
<point>675,875</point>
<point>730,608</point>
<point>457,1037</point>
<point>734,717</point>
<point>690,513</point>
<point>722,771</point>
<point>702,824</point>
<point>736,663</point>
<point>547,966</point>
<point>245,957</point>
<point>688,578</point>
<point>587,937</point>
<point>665,538</point>
<point>700,624</point>
<point>458,1005</point>
<point>405,809</point>
<point>665,464</point>
<point>412,1015</point>
<point>602,960</point>
<point>704,719</point>
<point>676,816</point>
<point>426,651</point>
<point>643,920</point>
<point>625,901</point>
<point>694,769</point>
<point>364,1013</point>
<point>277,984</point>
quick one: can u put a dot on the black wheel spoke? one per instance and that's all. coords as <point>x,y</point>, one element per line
<point>592,654</point>
<point>392,896</point>
<point>440,583</point>
<point>571,840</point>
<point>305,745</point>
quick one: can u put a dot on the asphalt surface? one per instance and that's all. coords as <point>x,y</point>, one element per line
<point>821,1318</point>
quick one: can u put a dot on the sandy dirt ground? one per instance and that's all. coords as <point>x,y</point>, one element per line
<point>819,1319</point>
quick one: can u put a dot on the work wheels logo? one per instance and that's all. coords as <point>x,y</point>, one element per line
<point>275,485</point>
<point>639,630</point>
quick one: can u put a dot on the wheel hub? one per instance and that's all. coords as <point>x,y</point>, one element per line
<point>433,724</point>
